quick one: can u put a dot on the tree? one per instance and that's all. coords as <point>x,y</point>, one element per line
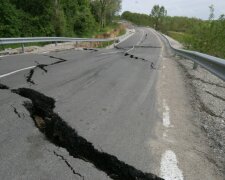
<point>105,10</point>
<point>157,14</point>
<point>9,21</point>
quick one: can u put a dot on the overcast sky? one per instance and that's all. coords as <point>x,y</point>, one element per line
<point>190,8</point>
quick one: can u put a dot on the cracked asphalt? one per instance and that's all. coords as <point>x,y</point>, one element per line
<point>107,121</point>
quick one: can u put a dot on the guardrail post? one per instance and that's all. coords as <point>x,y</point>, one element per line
<point>23,49</point>
<point>56,43</point>
<point>195,66</point>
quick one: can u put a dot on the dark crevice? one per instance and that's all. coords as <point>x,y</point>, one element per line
<point>16,112</point>
<point>61,60</point>
<point>152,65</point>
<point>68,164</point>
<point>216,96</point>
<point>61,134</point>
<point>42,67</point>
<point>3,87</point>
<point>29,77</point>
<point>134,57</point>
<point>90,49</point>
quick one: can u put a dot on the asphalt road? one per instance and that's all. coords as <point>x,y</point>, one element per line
<point>108,96</point>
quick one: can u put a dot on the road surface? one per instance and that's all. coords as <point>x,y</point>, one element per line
<point>120,100</point>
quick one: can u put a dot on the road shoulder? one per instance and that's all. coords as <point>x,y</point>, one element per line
<point>180,128</point>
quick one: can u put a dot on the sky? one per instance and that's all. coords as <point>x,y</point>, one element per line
<point>189,8</point>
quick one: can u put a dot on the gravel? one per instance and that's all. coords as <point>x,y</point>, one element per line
<point>208,101</point>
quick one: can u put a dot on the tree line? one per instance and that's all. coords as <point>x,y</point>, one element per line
<point>29,18</point>
<point>206,36</point>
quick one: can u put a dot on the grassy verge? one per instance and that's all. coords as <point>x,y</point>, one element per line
<point>182,37</point>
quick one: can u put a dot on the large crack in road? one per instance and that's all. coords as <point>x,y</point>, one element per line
<point>58,132</point>
<point>29,76</point>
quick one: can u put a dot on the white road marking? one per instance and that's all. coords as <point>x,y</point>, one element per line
<point>139,42</point>
<point>45,52</point>
<point>124,39</point>
<point>166,114</point>
<point>169,169</point>
<point>129,49</point>
<point>115,52</point>
<point>14,72</point>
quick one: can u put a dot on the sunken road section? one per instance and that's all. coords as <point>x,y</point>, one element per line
<point>61,134</point>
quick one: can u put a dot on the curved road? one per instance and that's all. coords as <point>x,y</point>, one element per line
<point>108,96</point>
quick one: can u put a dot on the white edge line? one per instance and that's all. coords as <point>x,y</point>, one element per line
<point>115,52</point>
<point>137,42</point>
<point>166,114</point>
<point>14,72</point>
<point>169,169</point>
<point>128,36</point>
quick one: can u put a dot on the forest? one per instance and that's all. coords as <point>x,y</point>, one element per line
<point>206,36</point>
<point>71,18</point>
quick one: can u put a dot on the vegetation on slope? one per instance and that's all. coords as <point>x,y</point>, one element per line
<point>29,18</point>
<point>206,36</point>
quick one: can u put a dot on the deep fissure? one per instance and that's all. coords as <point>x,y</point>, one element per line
<point>61,134</point>
<point>29,76</point>
<point>90,49</point>
<point>3,87</point>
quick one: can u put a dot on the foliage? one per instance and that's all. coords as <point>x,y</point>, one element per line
<point>157,14</point>
<point>10,22</point>
<point>104,10</point>
<point>23,18</point>
<point>139,19</point>
<point>206,36</point>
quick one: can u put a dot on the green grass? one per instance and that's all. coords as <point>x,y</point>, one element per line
<point>180,36</point>
<point>105,44</point>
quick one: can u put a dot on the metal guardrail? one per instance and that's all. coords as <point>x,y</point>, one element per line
<point>213,64</point>
<point>22,41</point>
<point>4,41</point>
